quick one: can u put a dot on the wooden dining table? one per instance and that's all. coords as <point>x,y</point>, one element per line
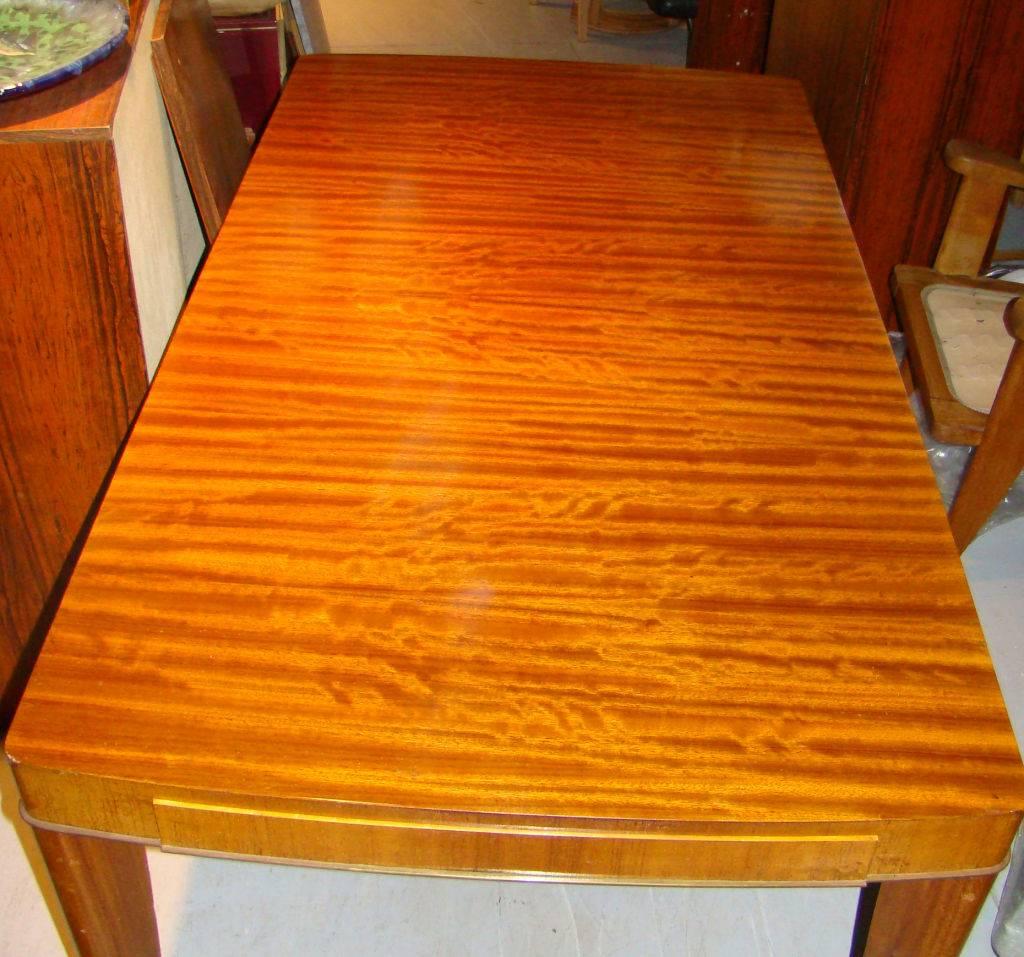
<point>528,491</point>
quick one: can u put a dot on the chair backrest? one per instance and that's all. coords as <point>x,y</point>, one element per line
<point>201,106</point>
<point>979,201</point>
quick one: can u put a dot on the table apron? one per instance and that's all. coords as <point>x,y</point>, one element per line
<point>513,851</point>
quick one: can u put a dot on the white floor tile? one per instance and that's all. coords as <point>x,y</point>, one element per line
<point>546,51</point>
<point>659,49</point>
<point>995,569</point>
<point>26,929</point>
<point>229,907</point>
<point>509,28</point>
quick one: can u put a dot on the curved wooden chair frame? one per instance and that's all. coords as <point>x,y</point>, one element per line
<point>999,435</point>
<point>590,15</point>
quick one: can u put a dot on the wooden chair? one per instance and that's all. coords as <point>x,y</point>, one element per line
<point>201,106</point>
<point>591,15</point>
<point>664,15</point>
<point>963,334</point>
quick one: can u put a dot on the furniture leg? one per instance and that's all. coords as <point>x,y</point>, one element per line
<point>925,918</point>
<point>997,460</point>
<point>104,889</point>
<point>585,11</point>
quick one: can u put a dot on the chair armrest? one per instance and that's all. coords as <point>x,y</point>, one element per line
<point>969,159</point>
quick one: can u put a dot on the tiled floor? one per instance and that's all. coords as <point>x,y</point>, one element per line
<point>221,908</point>
<point>509,28</point>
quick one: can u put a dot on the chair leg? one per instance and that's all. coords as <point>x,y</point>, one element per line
<point>907,375</point>
<point>998,459</point>
<point>584,10</point>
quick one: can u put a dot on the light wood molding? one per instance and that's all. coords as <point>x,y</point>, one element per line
<point>975,161</point>
<point>593,854</point>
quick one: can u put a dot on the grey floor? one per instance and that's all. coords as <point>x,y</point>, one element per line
<point>508,28</point>
<point>209,907</point>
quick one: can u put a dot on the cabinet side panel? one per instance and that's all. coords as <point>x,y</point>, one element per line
<point>164,237</point>
<point>890,82</point>
<point>987,112</point>
<point>825,46</point>
<point>730,35</point>
<point>915,81</point>
<point>73,371</point>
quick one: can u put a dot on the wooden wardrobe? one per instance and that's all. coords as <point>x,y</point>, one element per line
<point>890,82</point>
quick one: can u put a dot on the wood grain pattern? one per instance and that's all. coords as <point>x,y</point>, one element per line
<point>73,369</point>
<point>890,84</point>
<point>987,76</point>
<point>201,106</point>
<point>730,35</point>
<point>105,893</point>
<point>461,848</point>
<point>824,46</point>
<point>926,918</point>
<point>471,487</point>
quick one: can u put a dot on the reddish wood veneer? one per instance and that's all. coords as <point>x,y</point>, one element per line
<point>70,348</point>
<point>890,83</point>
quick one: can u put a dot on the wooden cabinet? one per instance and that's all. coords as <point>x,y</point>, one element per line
<point>729,35</point>
<point>890,82</point>
<point>98,242</point>
<point>253,50</point>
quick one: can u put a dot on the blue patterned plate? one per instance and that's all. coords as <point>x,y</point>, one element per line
<point>45,41</point>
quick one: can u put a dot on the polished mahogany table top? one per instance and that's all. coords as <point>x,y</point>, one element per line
<point>529,489</point>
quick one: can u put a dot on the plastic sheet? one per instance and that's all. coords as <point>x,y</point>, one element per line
<point>1008,931</point>
<point>949,462</point>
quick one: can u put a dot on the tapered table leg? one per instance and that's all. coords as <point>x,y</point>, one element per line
<point>928,918</point>
<point>103,887</point>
